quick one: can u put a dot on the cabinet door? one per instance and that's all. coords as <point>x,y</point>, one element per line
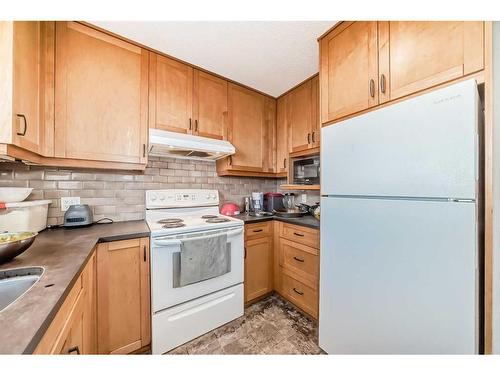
<point>282,134</point>
<point>27,85</point>
<point>348,70</point>
<point>258,267</point>
<point>123,307</point>
<point>100,96</point>
<point>425,54</point>
<point>315,124</point>
<point>210,109</point>
<point>73,341</point>
<point>170,95</point>
<point>300,117</point>
<point>246,129</point>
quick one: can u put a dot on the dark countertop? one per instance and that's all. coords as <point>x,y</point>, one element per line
<point>306,221</point>
<point>63,253</point>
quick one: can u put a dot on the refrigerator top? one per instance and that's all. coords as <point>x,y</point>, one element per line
<point>423,147</point>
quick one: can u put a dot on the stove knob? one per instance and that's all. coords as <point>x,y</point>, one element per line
<point>162,197</point>
<point>214,196</point>
<point>208,196</point>
<point>153,197</point>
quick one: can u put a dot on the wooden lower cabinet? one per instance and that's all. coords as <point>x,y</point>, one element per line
<point>73,330</point>
<point>258,260</point>
<point>108,309</point>
<point>273,261</point>
<point>123,296</point>
<point>297,272</point>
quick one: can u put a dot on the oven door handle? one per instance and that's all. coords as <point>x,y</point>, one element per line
<point>178,242</point>
<point>167,242</point>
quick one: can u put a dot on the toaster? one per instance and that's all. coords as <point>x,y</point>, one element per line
<point>78,215</point>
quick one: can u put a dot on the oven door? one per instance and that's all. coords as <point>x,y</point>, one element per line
<point>164,256</point>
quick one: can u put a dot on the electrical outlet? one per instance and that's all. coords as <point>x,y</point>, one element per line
<point>303,198</point>
<point>69,201</point>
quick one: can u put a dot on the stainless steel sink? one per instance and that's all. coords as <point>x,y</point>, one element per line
<point>15,282</point>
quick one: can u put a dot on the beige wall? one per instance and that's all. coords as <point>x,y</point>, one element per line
<point>120,195</point>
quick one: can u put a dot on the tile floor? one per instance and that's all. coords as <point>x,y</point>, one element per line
<point>270,326</point>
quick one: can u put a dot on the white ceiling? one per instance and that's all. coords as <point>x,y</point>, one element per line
<point>270,56</point>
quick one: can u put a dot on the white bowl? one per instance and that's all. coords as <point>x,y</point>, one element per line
<point>14,194</point>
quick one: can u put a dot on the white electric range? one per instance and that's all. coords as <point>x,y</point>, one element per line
<point>182,313</point>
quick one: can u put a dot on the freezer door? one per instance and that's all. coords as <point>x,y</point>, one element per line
<point>421,147</point>
<point>397,277</point>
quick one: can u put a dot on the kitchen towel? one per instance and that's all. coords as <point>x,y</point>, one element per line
<point>204,258</point>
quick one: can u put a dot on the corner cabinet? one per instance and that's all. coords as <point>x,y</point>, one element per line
<point>365,64</point>
<point>251,129</point>
<point>101,96</point>
<point>123,296</point>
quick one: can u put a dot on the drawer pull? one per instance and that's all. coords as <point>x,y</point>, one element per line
<point>299,293</point>
<point>74,349</point>
<point>257,230</point>
<point>299,260</point>
<point>298,234</point>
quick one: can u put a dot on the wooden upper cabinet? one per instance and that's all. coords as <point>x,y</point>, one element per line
<point>123,296</point>
<point>425,54</point>
<point>247,129</point>
<point>282,160</point>
<point>26,50</point>
<point>348,69</point>
<point>300,117</point>
<point>170,95</point>
<point>210,105</point>
<point>101,96</point>
<point>315,122</point>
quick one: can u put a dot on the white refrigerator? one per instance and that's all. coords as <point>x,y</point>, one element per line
<point>400,222</point>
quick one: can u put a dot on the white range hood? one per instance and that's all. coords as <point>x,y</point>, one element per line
<point>186,146</point>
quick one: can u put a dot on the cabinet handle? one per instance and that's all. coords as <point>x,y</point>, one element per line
<point>298,234</point>
<point>230,160</point>
<point>25,124</point>
<point>299,260</point>
<point>245,252</point>
<point>143,150</point>
<point>296,291</point>
<point>382,83</point>
<point>257,230</point>
<point>313,137</point>
<point>74,349</point>
<point>284,163</point>
<point>372,88</point>
<point>144,253</point>
<point>308,138</point>
<point>196,125</point>
<point>190,124</point>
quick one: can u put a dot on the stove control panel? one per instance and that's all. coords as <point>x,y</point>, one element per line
<point>170,198</point>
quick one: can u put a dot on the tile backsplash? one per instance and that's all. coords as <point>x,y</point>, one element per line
<point>120,195</point>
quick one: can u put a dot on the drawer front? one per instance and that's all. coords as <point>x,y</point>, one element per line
<point>300,258</point>
<point>300,234</point>
<point>300,294</point>
<point>258,230</point>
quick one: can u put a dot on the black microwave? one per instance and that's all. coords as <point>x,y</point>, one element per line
<point>305,170</point>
